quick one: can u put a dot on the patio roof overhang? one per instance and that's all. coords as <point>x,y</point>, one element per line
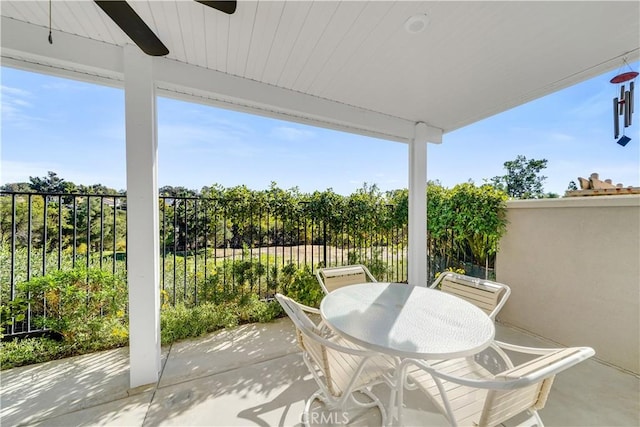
<point>346,65</point>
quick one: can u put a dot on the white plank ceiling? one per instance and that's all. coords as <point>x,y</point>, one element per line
<point>473,60</point>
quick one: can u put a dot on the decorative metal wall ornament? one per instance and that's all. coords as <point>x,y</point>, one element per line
<point>623,105</point>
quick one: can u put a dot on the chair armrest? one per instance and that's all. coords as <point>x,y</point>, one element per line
<point>333,343</point>
<point>439,279</point>
<point>517,377</point>
<point>523,349</point>
<point>308,309</point>
<point>545,366</point>
<point>502,302</point>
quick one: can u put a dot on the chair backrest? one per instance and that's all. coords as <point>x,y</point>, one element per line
<point>300,320</point>
<point>329,357</point>
<point>332,278</point>
<point>501,405</point>
<point>487,295</point>
<point>470,391</point>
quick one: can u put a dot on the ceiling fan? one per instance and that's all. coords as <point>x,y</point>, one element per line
<point>130,22</point>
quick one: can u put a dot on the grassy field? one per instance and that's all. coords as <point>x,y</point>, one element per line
<point>182,275</point>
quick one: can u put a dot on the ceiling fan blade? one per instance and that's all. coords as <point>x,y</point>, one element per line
<point>227,7</point>
<point>130,22</point>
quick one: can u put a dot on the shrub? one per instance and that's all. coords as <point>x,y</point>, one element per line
<point>252,309</point>
<point>82,249</point>
<point>180,322</point>
<point>10,311</point>
<point>32,350</point>
<point>82,305</point>
<point>304,287</point>
<point>375,264</point>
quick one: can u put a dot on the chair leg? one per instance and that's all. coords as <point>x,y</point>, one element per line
<point>533,420</point>
<point>400,383</point>
<point>307,407</point>
<point>375,402</point>
<point>341,404</point>
<point>392,406</point>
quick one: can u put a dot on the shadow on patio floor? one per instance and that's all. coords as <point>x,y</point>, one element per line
<point>254,376</point>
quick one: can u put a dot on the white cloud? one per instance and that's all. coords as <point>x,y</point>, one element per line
<point>187,134</point>
<point>206,142</point>
<point>560,136</point>
<point>291,134</point>
<point>15,103</point>
<point>595,106</point>
<point>14,91</point>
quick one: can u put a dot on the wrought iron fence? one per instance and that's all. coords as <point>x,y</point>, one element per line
<point>40,233</point>
<point>206,245</point>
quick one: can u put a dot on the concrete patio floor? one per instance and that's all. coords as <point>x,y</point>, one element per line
<point>254,376</point>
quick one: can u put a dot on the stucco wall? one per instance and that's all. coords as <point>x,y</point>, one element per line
<point>573,265</point>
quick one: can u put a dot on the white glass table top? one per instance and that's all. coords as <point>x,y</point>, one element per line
<point>407,321</point>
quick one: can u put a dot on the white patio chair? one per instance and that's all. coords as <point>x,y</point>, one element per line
<point>489,296</point>
<point>468,392</point>
<point>339,367</point>
<point>332,278</point>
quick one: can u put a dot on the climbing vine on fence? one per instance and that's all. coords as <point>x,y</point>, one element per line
<point>466,218</point>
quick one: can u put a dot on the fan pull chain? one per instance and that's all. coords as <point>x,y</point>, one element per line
<point>50,38</point>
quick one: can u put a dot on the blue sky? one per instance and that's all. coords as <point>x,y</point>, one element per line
<point>77,130</point>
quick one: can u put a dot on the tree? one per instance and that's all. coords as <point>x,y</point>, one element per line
<point>16,187</point>
<point>170,191</point>
<point>95,189</point>
<point>522,180</point>
<point>51,183</point>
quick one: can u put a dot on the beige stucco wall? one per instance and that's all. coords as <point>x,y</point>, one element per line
<point>573,265</point>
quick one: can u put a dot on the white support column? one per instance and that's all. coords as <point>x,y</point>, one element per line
<point>143,246</point>
<point>417,251</point>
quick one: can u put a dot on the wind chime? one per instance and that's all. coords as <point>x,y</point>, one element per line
<point>623,105</point>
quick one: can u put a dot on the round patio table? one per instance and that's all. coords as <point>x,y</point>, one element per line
<point>407,321</point>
